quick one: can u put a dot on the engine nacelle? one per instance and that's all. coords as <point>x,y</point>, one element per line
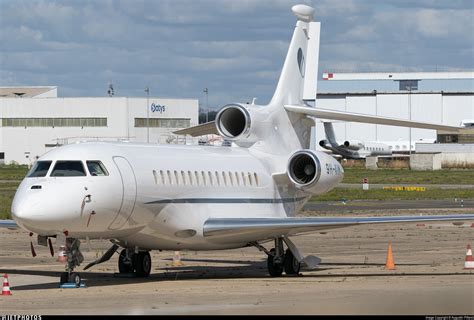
<point>241,124</point>
<point>314,172</point>
<point>324,143</point>
<point>354,144</point>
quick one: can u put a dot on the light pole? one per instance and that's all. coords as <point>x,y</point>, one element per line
<point>409,112</point>
<point>206,91</point>
<point>147,90</point>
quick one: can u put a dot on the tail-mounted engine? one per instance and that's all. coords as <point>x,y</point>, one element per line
<point>241,124</point>
<point>233,122</point>
<point>354,145</point>
<point>314,172</point>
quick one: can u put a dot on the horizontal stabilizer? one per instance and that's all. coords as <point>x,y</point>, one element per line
<point>365,118</point>
<point>10,224</point>
<point>249,229</point>
<point>199,130</point>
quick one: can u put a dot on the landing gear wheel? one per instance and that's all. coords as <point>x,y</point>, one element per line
<point>292,266</point>
<point>75,278</point>
<point>143,264</point>
<point>64,278</point>
<point>123,264</point>
<point>275,269</point>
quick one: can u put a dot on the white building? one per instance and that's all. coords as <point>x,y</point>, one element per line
<point>33,120</point>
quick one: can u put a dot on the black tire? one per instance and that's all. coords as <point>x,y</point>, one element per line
<point>125,267</point>
<point>64,278</point>
<point>274,269</point>
<point>76,279</point>
<point>143,264</point>
<point>292,266</point>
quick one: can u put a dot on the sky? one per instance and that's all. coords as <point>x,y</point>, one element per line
<point>235,48</point>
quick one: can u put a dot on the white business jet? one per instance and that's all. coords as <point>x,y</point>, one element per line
<point>160,197</point>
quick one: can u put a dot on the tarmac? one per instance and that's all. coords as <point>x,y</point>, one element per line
<point>429,278</point>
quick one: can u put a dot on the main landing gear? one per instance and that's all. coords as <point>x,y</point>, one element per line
<point>279,260</point>
<point>137,263</point>
<point>74,259</point>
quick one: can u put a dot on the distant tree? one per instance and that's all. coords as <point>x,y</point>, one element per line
<point>202,116</point>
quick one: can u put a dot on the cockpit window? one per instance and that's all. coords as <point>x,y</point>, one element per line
<point>68,169</point>
<point>40,169</point>
<point>96,168</point>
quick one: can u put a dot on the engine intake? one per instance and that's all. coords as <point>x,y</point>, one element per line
<point>233,121</point>
<point>304,168</point>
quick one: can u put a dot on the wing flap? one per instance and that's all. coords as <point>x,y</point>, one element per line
<point>253,229</point>
<point>199,130</point>
<point>365,118</point>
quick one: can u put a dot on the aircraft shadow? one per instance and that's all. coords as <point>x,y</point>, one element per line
<point>255,270</point>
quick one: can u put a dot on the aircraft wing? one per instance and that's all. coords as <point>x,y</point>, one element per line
<point>10,224</point>
<point>365,118</point>
<point>256,229</point>
<point>200,130</point>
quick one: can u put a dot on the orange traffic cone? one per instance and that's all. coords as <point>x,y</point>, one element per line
<point>390,264</point>
<point>469,263</point>
<point>177,259</point>
<point>6,287</point>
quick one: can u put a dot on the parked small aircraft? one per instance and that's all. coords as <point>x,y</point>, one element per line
<point>169,197</point>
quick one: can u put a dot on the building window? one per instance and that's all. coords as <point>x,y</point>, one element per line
<point>162,123</point>
<point>54,122</point>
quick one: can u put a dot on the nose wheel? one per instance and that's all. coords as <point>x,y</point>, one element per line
<point>74,259</point>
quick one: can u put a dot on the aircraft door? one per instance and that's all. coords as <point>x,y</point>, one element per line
<point>129,193</point>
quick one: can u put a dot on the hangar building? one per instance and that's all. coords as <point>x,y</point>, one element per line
<point>34,119</point>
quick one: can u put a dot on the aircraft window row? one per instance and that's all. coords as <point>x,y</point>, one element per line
<point>66,168</point>
<point>54,122</point>
<point>206,178</point>
<point>162,123</point>
<point>374,148</point>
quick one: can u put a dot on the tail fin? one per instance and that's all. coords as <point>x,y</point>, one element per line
<point>298,79</point>
<point>330,135</point>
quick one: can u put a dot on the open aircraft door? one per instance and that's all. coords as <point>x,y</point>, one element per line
<point>129,193</point>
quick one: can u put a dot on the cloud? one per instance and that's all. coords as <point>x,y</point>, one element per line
<point>235,48</point>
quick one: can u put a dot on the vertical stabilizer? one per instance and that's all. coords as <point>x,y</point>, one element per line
<point>298,79</point>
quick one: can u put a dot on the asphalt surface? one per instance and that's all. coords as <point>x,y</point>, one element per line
<point>362,205</point>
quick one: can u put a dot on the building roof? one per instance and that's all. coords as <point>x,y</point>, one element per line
<point>24,92</point>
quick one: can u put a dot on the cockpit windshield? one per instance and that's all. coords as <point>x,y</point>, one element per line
<point>96,168</point>
<point>68,169</point>
<point>40,169</point>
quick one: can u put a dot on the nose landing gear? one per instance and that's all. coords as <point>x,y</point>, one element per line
<point>74,259</point>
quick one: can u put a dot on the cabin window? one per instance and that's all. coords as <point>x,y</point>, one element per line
<point>243,179</point>
<point>162,176</point>
<point>211,182</point>
<point>203,177</point>
<point>183,177</point>
<point>224,179</point>
<point>197,177</point>
<point>96,168</point>
<point>231,180</point>
<point>168,173</point>
<point>40,169</point>
<point>68,169</point>
<point>237,181</point>
<point>155,177</point>
<point>176,177</point>
<point>190,177</point>
<point>217,178</point>
<point>256,179</point>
